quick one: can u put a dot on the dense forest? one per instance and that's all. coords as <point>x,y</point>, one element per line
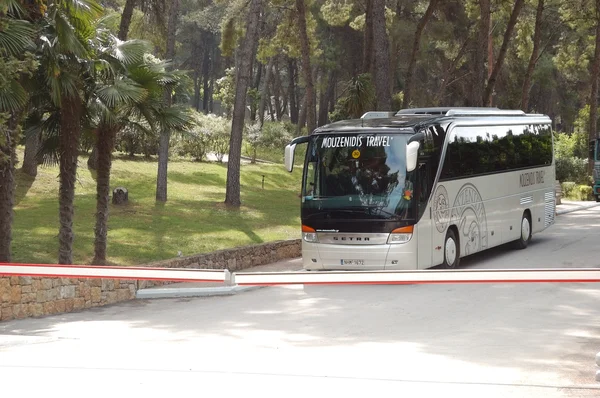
<point>221,76</point>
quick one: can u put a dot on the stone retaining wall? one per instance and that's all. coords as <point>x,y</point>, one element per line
<point>238,258</point>
<point>25,296</point>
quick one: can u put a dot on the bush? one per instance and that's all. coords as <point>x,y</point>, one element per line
<point>268,143</point>
<point>568,189</point>
<point>573,191</point>
<point>586,192</point>
<point>572,169</point>
<point>210,133</point>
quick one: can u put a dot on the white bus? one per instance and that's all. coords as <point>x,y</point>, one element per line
<point>423,187</point>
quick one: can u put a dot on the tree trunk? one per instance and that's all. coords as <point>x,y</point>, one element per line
<point>413,55</point>
<point>383,94</point>
<point>326,97</point>
<point>92,161</point>
<point>292,92</point>
<point>126,19</point>
<point>537,39</point>
<point>594,86</point>
<point>479,72</point>
<point>369,53</point>
<point>489,89</point>
<point>243,76</point>
<point>70,131</point>
<point>7,186</point>
<point>105,143</point>
<point>264,93</point>
<point>257,86</point>
<point>277,91</point>
<point>311,122</point>
<point>165,133</point>
<point>30,159</point>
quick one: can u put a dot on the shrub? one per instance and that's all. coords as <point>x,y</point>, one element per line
<point>572,169</point>
<point>585,192</point>
<point>568,189</point>
<point>573,191</point>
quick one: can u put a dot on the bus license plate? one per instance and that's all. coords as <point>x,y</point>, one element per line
<point>353,262</point>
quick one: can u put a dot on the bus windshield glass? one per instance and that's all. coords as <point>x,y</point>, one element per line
<point>358,176</point>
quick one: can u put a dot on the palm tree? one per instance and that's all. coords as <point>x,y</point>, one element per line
<point>16,33</point>
<point>127,92</point>
<point>65,57</point>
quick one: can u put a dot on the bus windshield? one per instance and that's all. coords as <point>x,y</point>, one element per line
<point>358,176</point>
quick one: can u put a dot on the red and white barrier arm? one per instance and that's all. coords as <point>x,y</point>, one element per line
<point>97,271</point>
<point>418,277</point>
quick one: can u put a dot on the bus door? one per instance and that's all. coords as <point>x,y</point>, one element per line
<point>424,225</point>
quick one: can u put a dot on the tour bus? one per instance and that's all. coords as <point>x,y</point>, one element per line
<point>423,187</point>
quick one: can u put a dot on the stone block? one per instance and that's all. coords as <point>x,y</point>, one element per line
<point>69,305</point>
<point>49,308</point>
<point>25,280</point>
<point>96,294</point>
<point>47,283</point>
<point>111,297</point>
<point>124,294</point>
<point>6,314</point>
<point>41,296</point>
<point>52,294</point>
<point>26,288</point>
<point>36,284</point>
<point>78,303</point>
<point>85,291</point>
<point>66,292</point>
<point>94,282</point>
<point>20,310</point>
<point>15,294</point>
<point>14,280</point>
<point>108,284</point>
<point>60,306</point>
<point>28,298</point>
<point>35,309</point>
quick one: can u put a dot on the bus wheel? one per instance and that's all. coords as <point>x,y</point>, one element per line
<point>525,237</point>
<point>598,198</point>
<point>451,250</point>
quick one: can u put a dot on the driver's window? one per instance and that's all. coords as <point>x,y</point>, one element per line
<point>309,187</point>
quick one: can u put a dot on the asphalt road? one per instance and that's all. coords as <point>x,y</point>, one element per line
<point>493,340</point>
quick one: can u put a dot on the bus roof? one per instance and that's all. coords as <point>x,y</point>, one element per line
<point>407,118</point>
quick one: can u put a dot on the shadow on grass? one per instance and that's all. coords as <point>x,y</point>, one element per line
<point>23,183</point>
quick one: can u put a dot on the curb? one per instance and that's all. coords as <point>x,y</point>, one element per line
<point>577,208</point>
<point>193,292</point>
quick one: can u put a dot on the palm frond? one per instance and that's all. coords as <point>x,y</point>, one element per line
<point>13,7</point>
<point>175,117</point>
<point>131,52</point>
<point>12,97</point>
<point>89,9</point>
<point>121,92</point>
<point>67,37</point>
<point>16,37</point>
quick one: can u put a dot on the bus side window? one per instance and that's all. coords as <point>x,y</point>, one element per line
<point>309,188</point>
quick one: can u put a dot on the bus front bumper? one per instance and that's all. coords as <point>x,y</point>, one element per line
<point>320,256</point>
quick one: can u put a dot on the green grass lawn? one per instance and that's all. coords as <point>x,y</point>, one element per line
<point>194,220</point>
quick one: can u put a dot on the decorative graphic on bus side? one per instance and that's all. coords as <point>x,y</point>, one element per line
<point>468,213</point>
<point>441,208</point>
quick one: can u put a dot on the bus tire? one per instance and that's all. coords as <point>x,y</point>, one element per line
<point>597,198</point>
<point>451,250</point>
<point>525,237</point>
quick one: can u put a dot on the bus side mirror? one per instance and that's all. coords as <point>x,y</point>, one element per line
<point>412,153</point>
<point>289,157</point>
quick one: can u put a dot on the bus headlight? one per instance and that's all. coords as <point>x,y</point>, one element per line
<point>400,235</point>
<point>309,234</point>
